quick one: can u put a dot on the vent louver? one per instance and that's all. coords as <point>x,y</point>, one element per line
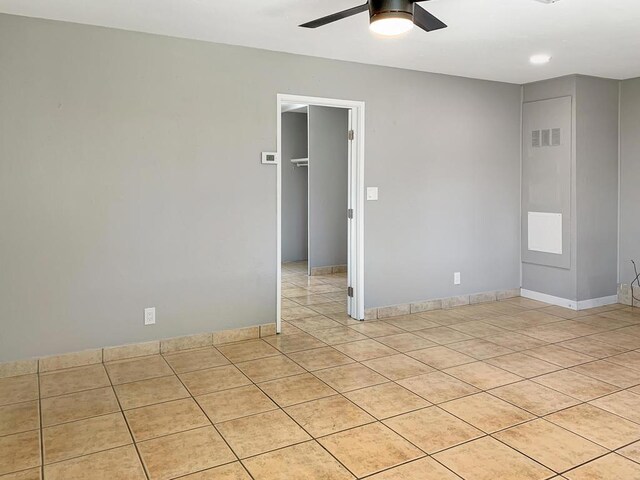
<point>535,139</point>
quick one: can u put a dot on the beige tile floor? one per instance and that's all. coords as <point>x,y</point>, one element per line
<point>511,390</point>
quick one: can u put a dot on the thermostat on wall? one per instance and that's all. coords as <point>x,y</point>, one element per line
<point>270,158</point>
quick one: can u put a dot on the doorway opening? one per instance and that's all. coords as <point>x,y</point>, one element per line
<point>320,200</point>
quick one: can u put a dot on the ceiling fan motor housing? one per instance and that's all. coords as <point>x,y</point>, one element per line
<point>379,9</point>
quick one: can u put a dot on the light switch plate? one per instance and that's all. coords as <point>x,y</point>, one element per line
<point>372,193</point>
<point>270,158</point>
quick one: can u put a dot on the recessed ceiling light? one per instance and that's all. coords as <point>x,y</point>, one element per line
<point>540,59</point>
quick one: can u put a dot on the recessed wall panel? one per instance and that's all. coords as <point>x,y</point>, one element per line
<point>546,182</point>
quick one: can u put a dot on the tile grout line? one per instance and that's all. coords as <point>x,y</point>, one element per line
<point>489,358</point>
<point>535,416</point>
<point>313,438</point>
<point>286,354</point>
<point>193,398</point>
<point>57,462</point>
<point>41,427</point>
<point>497,356</point>
<point>338,393</point>
<point>126,421</point>
<point>608,452</point>
<point>427,455</point>
<point>481,390</point>
<point>391,381</point>
<point>279,407</point>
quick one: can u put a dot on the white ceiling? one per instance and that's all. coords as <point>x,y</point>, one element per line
<point>489,39</point>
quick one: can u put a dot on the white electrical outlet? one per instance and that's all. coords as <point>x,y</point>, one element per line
<point>456,278</point>
<point>150,316</point>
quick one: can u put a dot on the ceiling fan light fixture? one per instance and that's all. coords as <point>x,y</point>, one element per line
<point>391,24</point>
<point>387,17</point>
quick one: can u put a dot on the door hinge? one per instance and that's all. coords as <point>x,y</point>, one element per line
<point>350,213</point>
<point>351,135</point>
<point>350,291</point>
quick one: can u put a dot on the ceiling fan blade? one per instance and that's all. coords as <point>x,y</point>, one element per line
<point>336,16</point>
<point>425,20</point>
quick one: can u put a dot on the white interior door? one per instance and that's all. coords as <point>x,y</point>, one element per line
<point>355,199</point>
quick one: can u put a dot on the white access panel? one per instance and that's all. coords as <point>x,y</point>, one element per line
<point>545,232</point>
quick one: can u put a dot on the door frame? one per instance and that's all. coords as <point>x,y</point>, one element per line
<point>356,198</point>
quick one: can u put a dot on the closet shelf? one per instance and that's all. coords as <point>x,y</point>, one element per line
<point>300,162</point>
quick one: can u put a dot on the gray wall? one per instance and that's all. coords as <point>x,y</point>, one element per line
<point>294,188</point>
<point>559,282</point>
<point>597,186</point>
<point>328,186</point>
<point>594,177</point>
<point>130,176</point>
<point>629,178</point>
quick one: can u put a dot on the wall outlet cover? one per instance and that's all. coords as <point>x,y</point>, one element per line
<point>456,278</point>
<point>372,193</point>
<point>150,316</point>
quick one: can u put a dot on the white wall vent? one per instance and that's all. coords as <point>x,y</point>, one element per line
<point>546,138</point>
<point>556,137</point>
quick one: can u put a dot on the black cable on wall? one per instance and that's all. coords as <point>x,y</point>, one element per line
<point>637,282</point>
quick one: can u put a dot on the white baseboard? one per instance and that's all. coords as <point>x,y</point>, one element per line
<point>566,303</point>
<point>543,297</point>
<point>597,302</point>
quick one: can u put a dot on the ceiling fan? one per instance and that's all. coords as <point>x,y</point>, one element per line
<point>387,17</point>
